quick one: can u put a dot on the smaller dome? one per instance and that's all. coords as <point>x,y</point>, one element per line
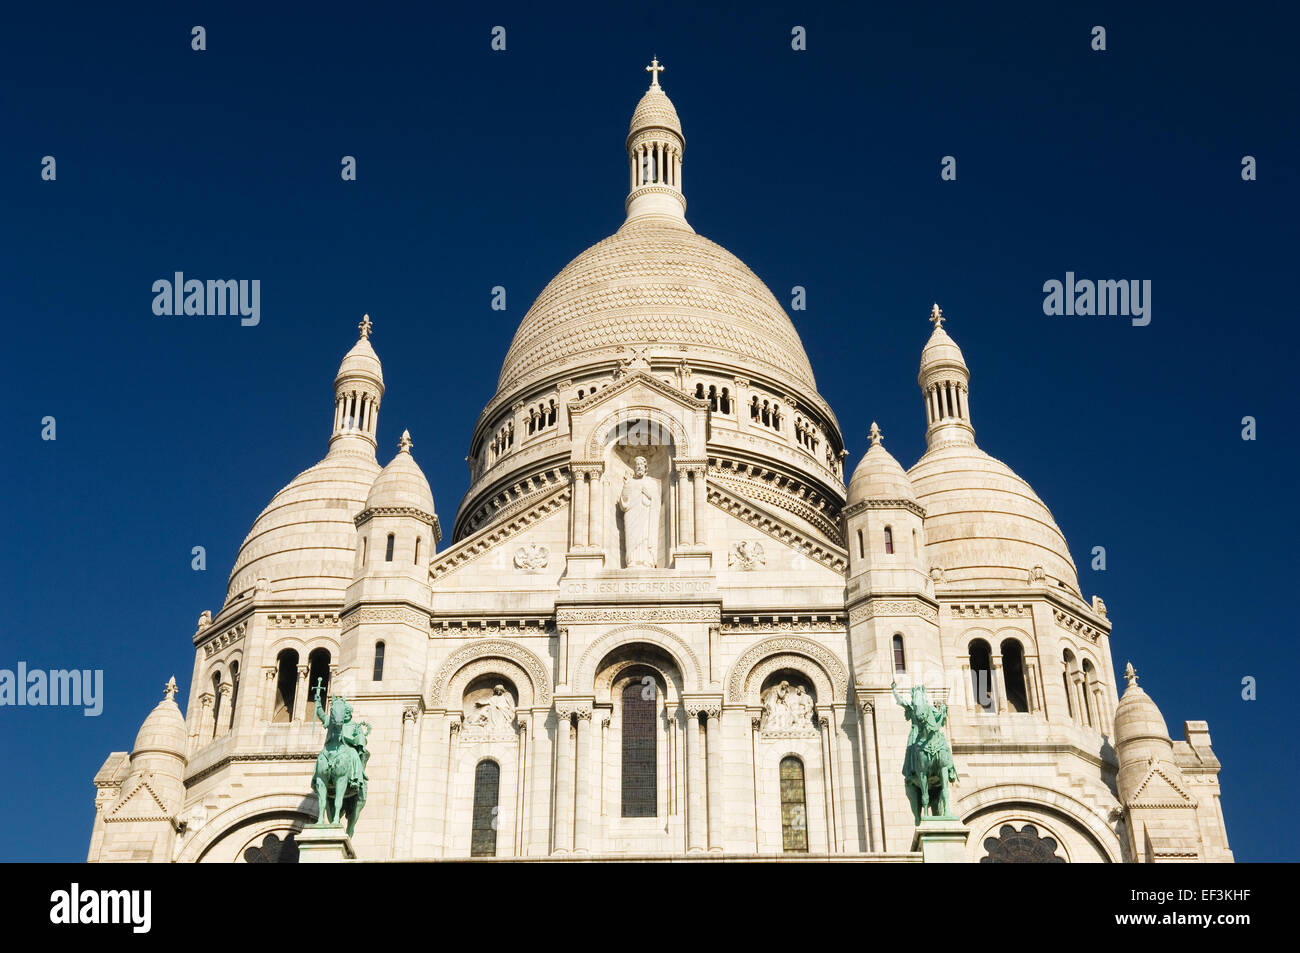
<point>878,476</point>
<point>361,361</point>
<point>941,350</point>
<point>163,732</point>
<point>655,111</point>
<point>402,483</point>
<point>1136,716</point>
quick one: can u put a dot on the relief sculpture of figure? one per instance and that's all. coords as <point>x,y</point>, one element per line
<point>639,504</point>
<point>495,713</point>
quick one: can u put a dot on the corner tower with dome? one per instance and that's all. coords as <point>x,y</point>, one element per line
<point>661,625</point>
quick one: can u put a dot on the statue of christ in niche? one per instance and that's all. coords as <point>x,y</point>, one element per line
<point>639,504</point>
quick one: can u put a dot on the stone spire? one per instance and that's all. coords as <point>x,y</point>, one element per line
<point>944,379</point>
<point>655,145</point>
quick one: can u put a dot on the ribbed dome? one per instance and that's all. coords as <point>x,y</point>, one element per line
<point>1138,718</point>
<point>878,476</point>
<point>985,524</point>
<point>655,110</point>
<point>303,542</point>
<point>940,349</point>
<point>361,361</point>
<point>655,282</point>
<point>402,483</point>
<point>162,732</point>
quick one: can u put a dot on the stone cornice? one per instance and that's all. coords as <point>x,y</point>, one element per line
<point>909,505</point>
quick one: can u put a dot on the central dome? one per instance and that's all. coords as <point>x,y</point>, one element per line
<point>656,282</point>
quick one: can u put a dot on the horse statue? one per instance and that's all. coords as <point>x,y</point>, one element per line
<point>341,764</point>
<point>928,764</point>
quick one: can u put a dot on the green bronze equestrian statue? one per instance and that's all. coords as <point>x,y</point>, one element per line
<point>341,764</point>
<point>928,765</point>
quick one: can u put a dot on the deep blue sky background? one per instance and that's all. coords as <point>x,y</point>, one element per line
<point>817,168</point>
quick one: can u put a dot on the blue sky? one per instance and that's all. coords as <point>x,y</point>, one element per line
<point>818,168</point>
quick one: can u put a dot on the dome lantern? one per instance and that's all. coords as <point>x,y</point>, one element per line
<point>358,388</point>
<point>655,145</point>
<point>944,380</point>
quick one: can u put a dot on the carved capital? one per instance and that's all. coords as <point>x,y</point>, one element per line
<point>411,714</point>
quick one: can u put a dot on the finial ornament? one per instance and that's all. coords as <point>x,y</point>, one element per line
<point>404,445</point>
<point>654,69</point>
<point>170,689</point>
<point>936,315</point>
<point>365,326</point>
<point>1131,674</point>
<point>874,434</point>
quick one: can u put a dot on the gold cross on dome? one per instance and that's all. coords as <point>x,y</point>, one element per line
<point>654,69</point>
<point>365,325</point>
<point>936,315</point>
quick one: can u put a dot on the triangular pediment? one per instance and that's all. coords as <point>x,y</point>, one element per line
<point>1161,788</point>
<point>627,388</point>
<point>142,801</point>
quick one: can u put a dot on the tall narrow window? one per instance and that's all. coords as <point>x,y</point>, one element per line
<point>417,550</point>
<point>981,674</point>
<point>318,673</point>
<point>378,674</point>
<point>216,703</point>
<point>900,659</point>
<point>862,546</point>
<point>889,540</point>
<point>1067,662</point>
<point>234,690</point>
<point>794,813</point>
<point>487,786</point>
<point>1013,674</point>
<point>640,774</point>
<point>388,553</point>
<point>1089,679</point>
<point>286,685</point>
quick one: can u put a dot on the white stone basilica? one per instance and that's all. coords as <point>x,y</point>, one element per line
<point>661,627</point>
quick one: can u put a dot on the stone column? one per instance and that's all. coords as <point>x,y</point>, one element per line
<point>539,786</point>
<point>582,785</point>
<point>699,495</point>
<point>684,529</point>
<point>521,789</point>
<point>271,679</point>
<point>870,770</point>
<point>696,806</point>
<point>713,736</point>
<point>563,783</point>
<point>223,725</point>
<point>832,826</point>
<point>205,718</point>
<point>300,694</point>
<point>597,535</point>
<point>999,686</point>
<point>406,773</point>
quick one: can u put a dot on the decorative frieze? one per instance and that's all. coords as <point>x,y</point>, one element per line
<point>872,608</point>
<point>773,622</point>
<point>302,620</point>
<point>1076,626</point>
<point>989,610</point>
<point>479,627</point>
<point>224,639</point>
<point>399,615</point>
<point>628,614</point>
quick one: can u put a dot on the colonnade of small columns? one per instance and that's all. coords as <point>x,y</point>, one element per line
<point>946,399</point>
<point>655,162</point>
<point>356,411</point>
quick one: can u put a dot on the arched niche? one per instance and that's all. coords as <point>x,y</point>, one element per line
<point>522,668</point>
